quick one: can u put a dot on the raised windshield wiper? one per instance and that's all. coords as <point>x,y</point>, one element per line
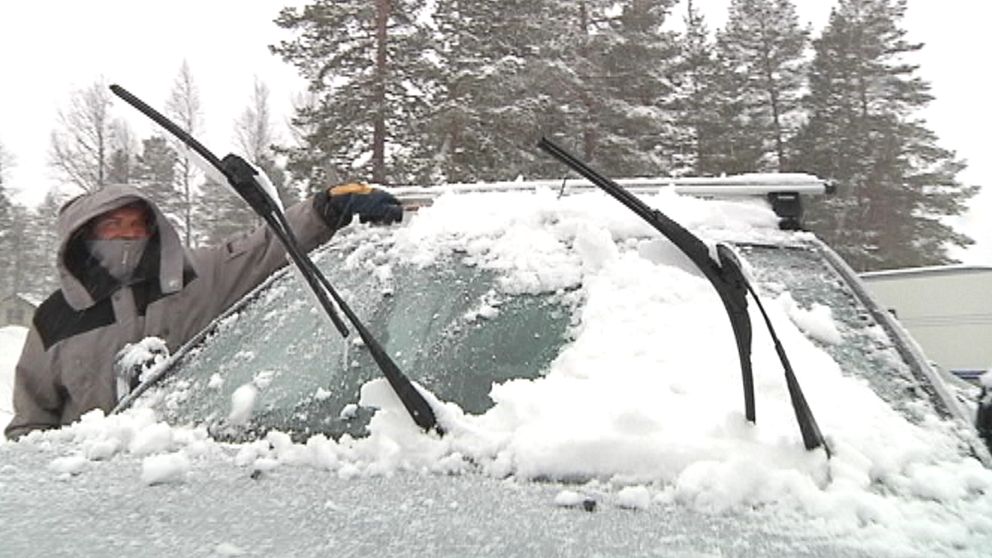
<point>248,183</point>
<point>726,277</point>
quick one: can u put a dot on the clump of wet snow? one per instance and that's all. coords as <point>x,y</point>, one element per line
<point>216,381</point>
<point>139,362</point>
<point>816,321</point>
<point>164,450</point>
<point>487,309</point>
<point>243,403</point>
<point>70,465</point>
<point>349,411</point>
<point>634,497</point>
<point>569,499</point>
<point>228,549</point>
<point>150,350</point>
<point>154,438</point>
<point>986,379</point>
<point>165,468</point>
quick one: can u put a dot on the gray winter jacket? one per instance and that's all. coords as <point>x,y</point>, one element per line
<point>66,367</point>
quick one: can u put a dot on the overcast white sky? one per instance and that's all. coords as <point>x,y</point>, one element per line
<point>50,48</point>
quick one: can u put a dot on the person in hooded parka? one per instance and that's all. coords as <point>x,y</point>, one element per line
<point>125,276</point>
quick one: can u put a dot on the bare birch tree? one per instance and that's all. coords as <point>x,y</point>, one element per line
<point>256,137</point>
<point>80,145</point>
<point>183,107</point>
<point>253,129</point>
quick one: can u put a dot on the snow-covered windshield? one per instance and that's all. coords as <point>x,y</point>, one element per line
<point>474,297</point>
<point>448,325</point>
<point>818,300</point>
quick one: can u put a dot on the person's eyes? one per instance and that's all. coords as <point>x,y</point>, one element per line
<point>109,225</point>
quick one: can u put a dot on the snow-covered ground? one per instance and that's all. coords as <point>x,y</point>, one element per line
<point>11,341</point>
<point>646,398</point>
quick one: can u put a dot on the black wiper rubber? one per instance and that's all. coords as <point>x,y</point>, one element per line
<point>810,431</point>
<point>241,176</point>
<point>729,283</point>
<point>726,277</point>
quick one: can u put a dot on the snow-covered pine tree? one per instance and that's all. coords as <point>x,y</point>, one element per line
<point>7,229</point>
<point>6,163</point>
<point>635,60</point>
<point>123,154</point>
<point>15,243</point>
<point>18,246</point>
<point>36,267</point>
<point>690,103</point>
<point>224,214</point>
<point>364,62</point>
<point>565,80</point>
<point>763,49</point>
<point>156,174</point>
<point>488,101</point>
<point>895,183</point>
<point>606,83</point>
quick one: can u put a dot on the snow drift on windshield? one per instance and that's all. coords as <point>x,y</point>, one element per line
<point>647,398</point>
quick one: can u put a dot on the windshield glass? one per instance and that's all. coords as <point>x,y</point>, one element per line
<point>451,326</point>
<point>446,325</point>
<point>801,275</point>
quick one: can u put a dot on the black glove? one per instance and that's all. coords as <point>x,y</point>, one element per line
<point>339,204</point>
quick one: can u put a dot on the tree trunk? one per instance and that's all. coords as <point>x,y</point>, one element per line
<point>382,11</point>
<point>773,99</point>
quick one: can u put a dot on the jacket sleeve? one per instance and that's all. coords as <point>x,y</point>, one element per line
<point>37,396</point>
<point>239,264</point>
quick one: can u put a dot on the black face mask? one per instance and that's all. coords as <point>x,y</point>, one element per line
<point>120,257</point>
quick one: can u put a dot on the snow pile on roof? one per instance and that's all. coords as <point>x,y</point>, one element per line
<point>648,395</point>
<point>11,341</point>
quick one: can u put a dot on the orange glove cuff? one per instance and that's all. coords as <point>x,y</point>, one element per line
<point>351,188</point>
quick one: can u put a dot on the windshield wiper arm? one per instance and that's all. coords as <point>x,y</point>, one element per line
<point>241,176</point>
<point>725,276</point>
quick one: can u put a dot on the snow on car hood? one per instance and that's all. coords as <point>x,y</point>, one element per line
<point>648,394</point>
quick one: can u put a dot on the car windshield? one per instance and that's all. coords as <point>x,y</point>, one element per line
<point>447,325</point>
<point>804,274</point>
<point>459,328</point>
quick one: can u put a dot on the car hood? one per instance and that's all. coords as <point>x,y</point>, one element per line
<point>222,509</point>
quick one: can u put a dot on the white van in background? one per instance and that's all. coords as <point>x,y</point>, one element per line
<point>947,309</point>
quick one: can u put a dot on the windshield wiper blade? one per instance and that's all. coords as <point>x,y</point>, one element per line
<point>725,276</point>
<point>808,428</point>
<point>241,176</point>
<point>728,280</point>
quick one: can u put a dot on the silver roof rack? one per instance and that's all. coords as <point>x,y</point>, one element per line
<point>782,190</point>
<point>724,186</point>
